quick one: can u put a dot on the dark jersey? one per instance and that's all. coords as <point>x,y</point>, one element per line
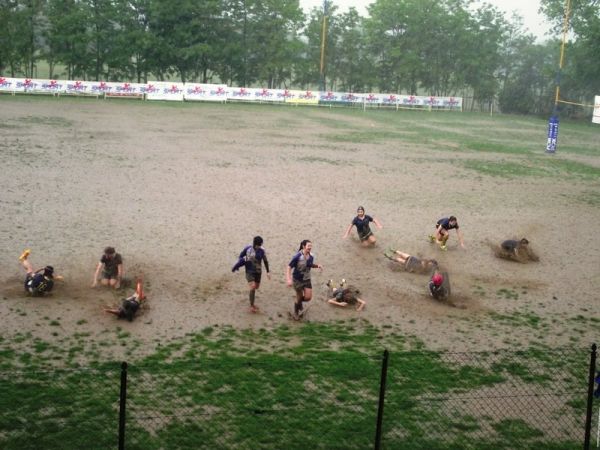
<point>438,292</point>
<point>362,225</point>
<point>445,224</point>
<point>128,308</point>
<point>111,265</point>
<point>510,245</point>
<point>38,284</point>
<point>254,258</point>
<point>349,295</point>
<point>301,266</point>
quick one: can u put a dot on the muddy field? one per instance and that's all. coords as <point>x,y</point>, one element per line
<point>179,190</point>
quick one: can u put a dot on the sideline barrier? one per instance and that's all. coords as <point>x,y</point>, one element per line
<point>174,91</point>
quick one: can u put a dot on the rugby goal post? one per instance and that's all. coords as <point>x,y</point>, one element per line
<point>596,115</point>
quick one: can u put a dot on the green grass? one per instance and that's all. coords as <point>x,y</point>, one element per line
<point>312,386</point>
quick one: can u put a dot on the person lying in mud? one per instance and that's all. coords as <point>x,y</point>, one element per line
<point>344,295</point>
<point>37,282</point>
<point>130,305</point>
<point>411,263</point>
<point>439,286</point>
<point>516,250</point>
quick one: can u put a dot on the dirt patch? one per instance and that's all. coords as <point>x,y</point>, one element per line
<point>179,191</point>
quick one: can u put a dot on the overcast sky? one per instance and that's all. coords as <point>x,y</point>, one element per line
<point>526,8</point>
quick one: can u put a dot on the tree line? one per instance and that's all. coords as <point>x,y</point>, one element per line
<point>432,47</point>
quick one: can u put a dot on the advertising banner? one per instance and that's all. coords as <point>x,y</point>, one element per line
<point>238,93</point>
<point>302,97</point>
<point>267,95</point>
<point>160,90</point>
<point>205,92</point>
<point>126,90</point>
<point>164,91</point>
<point>7,84</point>
<point>410,100</point>
<point>79,88</point>
<point>596,116</point>
<point>374,99</point>
<point>24,84</point>
<point>452,102</point>
<point>50,86</point>
<point>552,134</point>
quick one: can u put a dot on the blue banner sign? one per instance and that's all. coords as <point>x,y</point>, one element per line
<point>552,134</point>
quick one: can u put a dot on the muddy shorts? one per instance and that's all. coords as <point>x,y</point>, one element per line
<point>253,277</point>
<point>365,236</point>
<point>300,285</point>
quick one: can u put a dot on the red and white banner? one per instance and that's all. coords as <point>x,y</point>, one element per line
<point>159,90</point>
<point>164,91</point>
<point>205,92</point>
<point>7,84</point>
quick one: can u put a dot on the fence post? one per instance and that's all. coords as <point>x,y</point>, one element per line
<point>384,368</point>
<point>122,401</point>
<point>590,399</point>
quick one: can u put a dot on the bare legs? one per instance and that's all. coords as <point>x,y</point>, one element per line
<point>253,287</point>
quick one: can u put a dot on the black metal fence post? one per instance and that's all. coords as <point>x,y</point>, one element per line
<point>590,399</point>
<point>384,368</point>
<point>122,401</point>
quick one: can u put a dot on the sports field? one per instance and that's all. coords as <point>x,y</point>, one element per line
<point>180,189</point>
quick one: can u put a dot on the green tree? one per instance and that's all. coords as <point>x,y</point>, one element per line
<point>581,76</point>
<point>352,62</point>
<point>184,37</point>
<point>20,30</point>
<point>68,37</point>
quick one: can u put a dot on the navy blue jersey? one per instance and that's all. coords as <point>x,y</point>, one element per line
<point>301,266</point>
<point>362,225</point>
<point>253,258</point>
<point>38,284</point>
<point>510,245</point>
<point>445,224</point>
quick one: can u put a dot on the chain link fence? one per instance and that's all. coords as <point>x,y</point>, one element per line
<point>406,400</point>
<point>59,409</point>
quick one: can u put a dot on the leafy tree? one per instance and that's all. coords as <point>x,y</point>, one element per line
<point>352,61</point>
<point>529,88</point>
<point>581,77</point>
<point>20,25</point>
<point>68,38</point>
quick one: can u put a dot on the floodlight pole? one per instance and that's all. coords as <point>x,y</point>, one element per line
<point>562,53</point>
<point>323,41</point>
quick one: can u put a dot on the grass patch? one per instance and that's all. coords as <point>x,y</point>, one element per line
<point>256,388</point>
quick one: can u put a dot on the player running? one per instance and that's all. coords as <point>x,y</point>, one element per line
<point>252,257</point>
<point>301,264</point>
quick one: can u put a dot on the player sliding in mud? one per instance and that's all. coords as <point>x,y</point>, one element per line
<point>130,305</point>
<point>37,282</point>
<point>439,286</point>
<point>515,250</point>
<point>442,232</point>
<point>344,295</point>
<point>411,263</point>
<point>361,221</point>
